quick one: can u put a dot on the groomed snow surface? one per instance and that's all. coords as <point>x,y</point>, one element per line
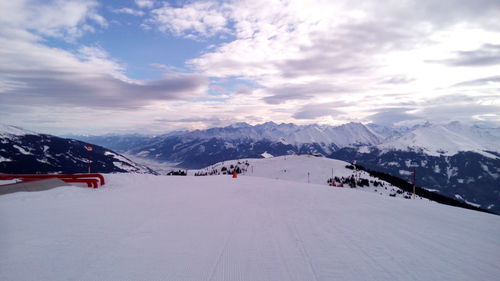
<point>144,227</point>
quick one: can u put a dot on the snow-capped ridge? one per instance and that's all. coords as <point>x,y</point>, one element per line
<point>8,130</point>
<point>447,139</point>
<point>343,135</point>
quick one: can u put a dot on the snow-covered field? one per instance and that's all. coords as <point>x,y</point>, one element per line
<point>144,227</point>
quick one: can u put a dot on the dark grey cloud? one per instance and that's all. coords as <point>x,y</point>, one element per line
<point>445,12</point>
<point>390,116</point>
<point>451,99</point>
<point>445,108</point>
<point>97,90</point>
<point>189,120</point>
<point>488,54</point>
<point>373,36</point>
<point>313,111</point>
<point>460,112</point>
<point>479,82</point>
<point>281,98</point>
<point>40,121</point>
<point>318,64</point>
<point>281,94</point>
<point>396,80</point>
<point>212,121</point>
<point>348,50</point>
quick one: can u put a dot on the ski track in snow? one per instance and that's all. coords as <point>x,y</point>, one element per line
<point>144,227</point>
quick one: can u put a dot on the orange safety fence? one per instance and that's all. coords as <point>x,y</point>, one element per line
<point>92,180</point>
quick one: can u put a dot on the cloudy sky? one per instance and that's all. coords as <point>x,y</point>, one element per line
<point>94,67</point>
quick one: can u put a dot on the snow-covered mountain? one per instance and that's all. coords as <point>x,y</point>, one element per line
<point>199,148</point>
<point>385,132</point>
<point>454,159</point>
<point>23,151</point>
<point>339,136</point>
<point>448,139</point>
<point>430,139</point>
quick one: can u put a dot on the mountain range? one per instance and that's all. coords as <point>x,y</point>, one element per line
<point>200,148</point>
<point>454,159</point>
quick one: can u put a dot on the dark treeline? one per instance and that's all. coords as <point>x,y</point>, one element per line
<point>408,187</point>
<point>239,168</point>
<point>177,173</point>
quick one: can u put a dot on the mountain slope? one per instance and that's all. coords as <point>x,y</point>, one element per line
<point>249,228</point>
<point>118,143</point>
<point>321,170</point>
<point>23,151</point>
<point>458,161</point>
<point>448,140</point>
<point>467,176</point>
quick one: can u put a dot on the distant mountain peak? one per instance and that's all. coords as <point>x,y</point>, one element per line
<point>239,125</point>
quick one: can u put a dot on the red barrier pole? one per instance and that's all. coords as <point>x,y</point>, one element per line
<point>89,149</point>
<point>414,180</point>
<point>88,157</point>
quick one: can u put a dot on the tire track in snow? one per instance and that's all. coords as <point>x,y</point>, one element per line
<point>303,250</point>
<point>277,244</point>
<point>220,263</point>
<point>293,255</point>
<point>239,255</point>
<point>371,265</point>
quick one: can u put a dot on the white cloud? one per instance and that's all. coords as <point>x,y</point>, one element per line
<point>191,20</point>
<point>306,61</point>
<point>129,11</point>
<point>326,51</point>
<point>145,3</point>
<point>59,18</point>
<point>314,111</point>
<point>49,79</point>
<point>42,75</point>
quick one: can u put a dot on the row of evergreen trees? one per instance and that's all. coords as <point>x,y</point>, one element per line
<point>240,167</point>
<point>177,173</point>
<point>354,182</point>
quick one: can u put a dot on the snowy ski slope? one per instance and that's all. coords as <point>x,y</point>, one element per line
<point>145,227</point>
